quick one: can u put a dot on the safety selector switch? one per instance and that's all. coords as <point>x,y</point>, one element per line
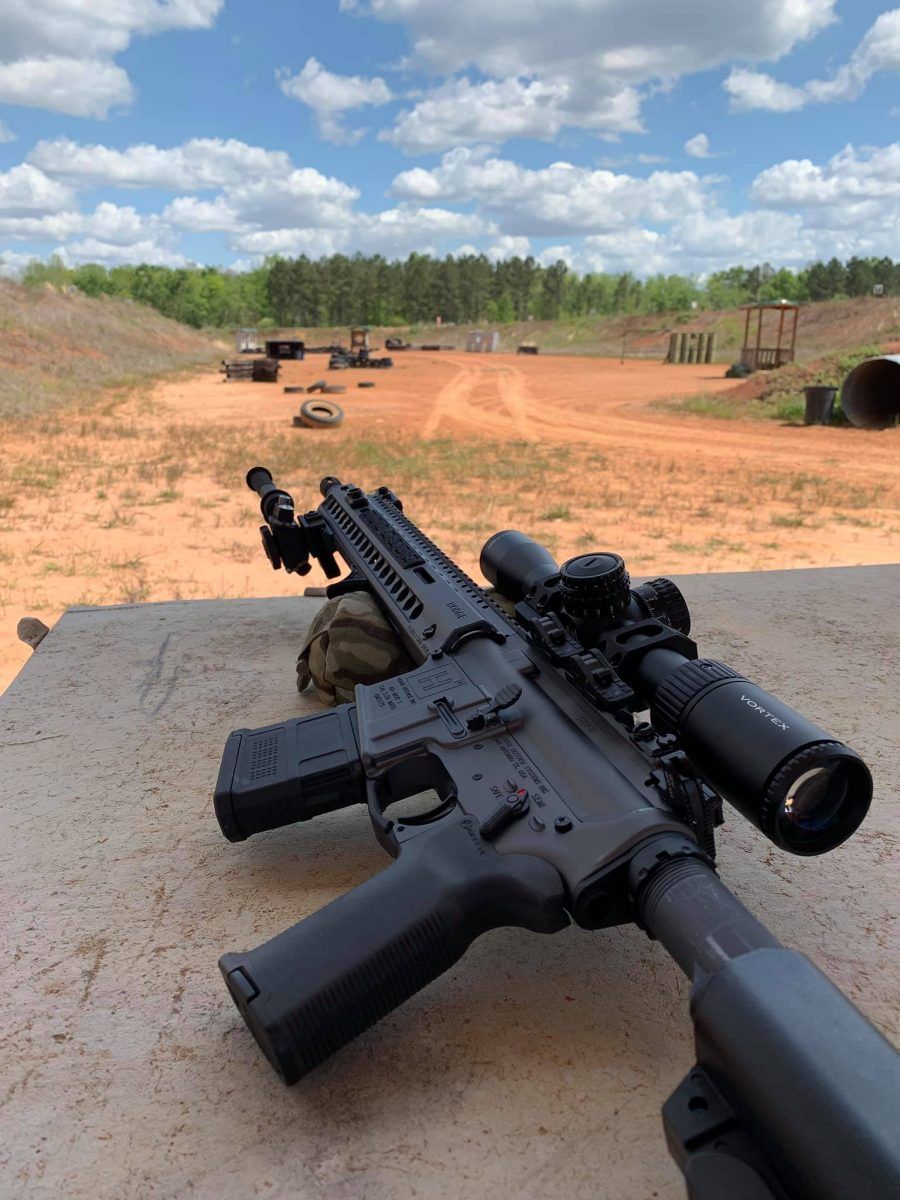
<point>515,805</point>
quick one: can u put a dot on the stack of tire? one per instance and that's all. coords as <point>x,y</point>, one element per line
<point>362,359</point>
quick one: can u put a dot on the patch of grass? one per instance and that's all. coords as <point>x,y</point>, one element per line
<point>117,519</point>
<point>788,520</point>
<point>7,502</point>
<point>126,564</point>
<point>557,513</point>
<point>136,592</point>
<point>859,522</point>
<point>97,344</point>
<point>708,404</point>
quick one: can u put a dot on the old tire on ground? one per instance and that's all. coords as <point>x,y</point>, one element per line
<point>365,383</point>
<point>333,389</point>
<point>298,423</point>
<point>318,413</point>
<point>317,386</point>
<point>294,391</point>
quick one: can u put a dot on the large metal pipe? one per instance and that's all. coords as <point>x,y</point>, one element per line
<point>871,393</point>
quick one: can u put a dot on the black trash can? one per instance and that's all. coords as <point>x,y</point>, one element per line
<point>819,405</point>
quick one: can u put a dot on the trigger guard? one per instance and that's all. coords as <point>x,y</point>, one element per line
<point>392,832</point>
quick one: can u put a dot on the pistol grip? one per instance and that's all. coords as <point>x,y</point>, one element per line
<point>315,987</point>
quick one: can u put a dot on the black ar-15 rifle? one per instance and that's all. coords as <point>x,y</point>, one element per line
<point>554,804</point>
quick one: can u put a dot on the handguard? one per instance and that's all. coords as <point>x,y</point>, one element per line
<point>313,988</point>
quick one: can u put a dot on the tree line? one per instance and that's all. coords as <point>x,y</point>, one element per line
<point>342,290</point>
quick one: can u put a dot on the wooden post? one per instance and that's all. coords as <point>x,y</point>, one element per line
<point>673,348</point>
<point>745,352</point>
<point>711,348</point>
<point>780,332</point>
<point>794,333</point>
<point>759,313</point>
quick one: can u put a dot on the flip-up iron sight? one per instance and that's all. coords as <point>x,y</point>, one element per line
<point>806,791</point>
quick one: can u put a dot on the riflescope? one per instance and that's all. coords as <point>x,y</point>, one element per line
<point>804,789</point>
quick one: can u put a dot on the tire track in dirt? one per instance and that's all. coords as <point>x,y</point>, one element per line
<point>517,400</point>
<point>631,426</point>
<point>453,396</point>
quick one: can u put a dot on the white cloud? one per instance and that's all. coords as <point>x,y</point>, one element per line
<point>202,216</point>
<point>291,242</point>
<point>24,191</point>
<point>554,200</point>
<point>634,40</point>
<point>196,165</point>
<point>58,54</point>
<point>753,89</point>
<point>879,51</point>
<point>393,232</point>
<point>509,247</point>
<point>108,223</point>
<point>643,251</point>
<point>698,146</point>
<point>13,263</point>
<point>557,63</point>
<point>301,197</point>
<point>330,96</point>
<point>555,254</point>
<point>6,134</point>
<point>82,88</point>
<point>111,254</point>
<point>461,112</point>
<point>849,177</point>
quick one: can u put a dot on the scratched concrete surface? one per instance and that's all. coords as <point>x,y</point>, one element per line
<point>535,1068</point>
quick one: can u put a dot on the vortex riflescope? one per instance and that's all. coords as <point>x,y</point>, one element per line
<point>802,787</point>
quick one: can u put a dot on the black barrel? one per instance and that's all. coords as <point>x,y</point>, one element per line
<point>819,405</point>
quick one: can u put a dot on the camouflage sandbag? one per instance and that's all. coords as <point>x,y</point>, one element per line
<point>351,641</point>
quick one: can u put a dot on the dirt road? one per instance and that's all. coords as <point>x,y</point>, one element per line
<point>146,501</point>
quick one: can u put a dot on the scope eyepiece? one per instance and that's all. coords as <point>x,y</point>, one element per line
<point>803,789</point>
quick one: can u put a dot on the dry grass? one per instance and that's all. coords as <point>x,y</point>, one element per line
<point>56,348</point>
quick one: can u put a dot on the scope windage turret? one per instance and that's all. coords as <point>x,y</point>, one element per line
<point>804,789</point>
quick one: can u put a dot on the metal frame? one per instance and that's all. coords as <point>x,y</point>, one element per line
<point>755,355</point>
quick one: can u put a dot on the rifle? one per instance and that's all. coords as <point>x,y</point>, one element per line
<point>552,802</point>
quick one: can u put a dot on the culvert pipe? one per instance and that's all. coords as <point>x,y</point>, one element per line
<point>871,393</point>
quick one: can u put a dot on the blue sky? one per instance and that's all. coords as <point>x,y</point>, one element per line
<point>618,134</point>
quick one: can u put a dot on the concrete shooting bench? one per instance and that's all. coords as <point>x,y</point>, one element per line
<point>535,1068</point>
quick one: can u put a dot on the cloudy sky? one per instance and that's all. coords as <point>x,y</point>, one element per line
<point>617,134</point>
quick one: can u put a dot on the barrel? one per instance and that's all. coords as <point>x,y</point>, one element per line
<point>819,405</point>
<point>871,393</point>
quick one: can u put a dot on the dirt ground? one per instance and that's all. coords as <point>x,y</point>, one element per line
<point>141,497</point>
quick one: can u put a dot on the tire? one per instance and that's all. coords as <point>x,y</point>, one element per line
<point>294,391</point>
<point>317,414</point>
<point>333,389</point>
<point>317,386</point>
<point>366,383</point>
<point>299,423</point>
